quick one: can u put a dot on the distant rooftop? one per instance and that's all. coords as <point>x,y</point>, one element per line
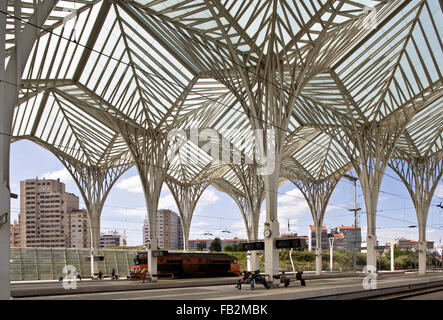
<point>313,227</point>
<point>348,227</point>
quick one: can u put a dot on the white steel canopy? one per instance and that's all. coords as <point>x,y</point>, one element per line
<point>342,83</point>
<point>167,64</point>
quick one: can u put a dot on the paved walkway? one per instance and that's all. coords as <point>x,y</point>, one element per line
<point>52,287</point>
<point>315,288</point>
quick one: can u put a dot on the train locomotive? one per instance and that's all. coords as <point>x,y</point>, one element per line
<point>187,265</point>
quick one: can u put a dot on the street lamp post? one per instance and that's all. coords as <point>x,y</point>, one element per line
<point>392,256</point>
<point>331,252</point>
<point>92,262</point>
<point>355,209</point>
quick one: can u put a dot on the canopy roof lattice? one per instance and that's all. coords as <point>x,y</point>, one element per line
<point>163,65</point>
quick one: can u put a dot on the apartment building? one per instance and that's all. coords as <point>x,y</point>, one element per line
<point>404,243</point>
<point>338,242</point>
<point>351,237</point>
<point>80,230</point>
<point>50,217</point>
<point>14,234</point>
<point>112,239</point>
<point>169,230</point>
<point>312,242</point>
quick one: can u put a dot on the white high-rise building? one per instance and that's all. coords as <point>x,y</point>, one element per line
<point>80,230</point>
<point>45,214</point>
<point>113,239</point>
<point>169,230</point>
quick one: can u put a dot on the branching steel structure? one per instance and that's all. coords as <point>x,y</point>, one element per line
<point>335,84</point>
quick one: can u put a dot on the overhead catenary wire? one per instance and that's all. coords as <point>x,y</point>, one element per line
<point>283,194</point>
<point>109,218</point>
<point>215,227</point>
<point>276,192</point>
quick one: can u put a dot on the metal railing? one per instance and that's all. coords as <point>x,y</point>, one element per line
<point>48,263</point>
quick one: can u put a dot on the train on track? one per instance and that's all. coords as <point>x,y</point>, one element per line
<point>187,265</point>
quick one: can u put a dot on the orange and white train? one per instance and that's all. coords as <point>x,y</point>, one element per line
<point>178,264</point>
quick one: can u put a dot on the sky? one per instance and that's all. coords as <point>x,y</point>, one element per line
<point>217,214</point>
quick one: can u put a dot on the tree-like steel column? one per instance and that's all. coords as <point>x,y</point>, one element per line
<point>186,198</point>
<point>420,176</point>
<point>369,149</point>
<point>10,77</point>
<point>250,205</point>
<point>271,224</point>
<point>249,200</point>
<point>5,127</point>
<point>267,88</point>
<point>317,194</point>
<point>370,138</point>
<point>94,183</point>
<point>149,150</point>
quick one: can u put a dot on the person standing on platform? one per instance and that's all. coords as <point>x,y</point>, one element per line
<point>298,276</point>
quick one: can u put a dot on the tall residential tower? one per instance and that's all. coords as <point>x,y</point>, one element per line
<point>169,230</point>
<point>50,217</point>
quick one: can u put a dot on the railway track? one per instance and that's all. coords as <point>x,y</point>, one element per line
<point>411,292</point>
<point>389,292</point>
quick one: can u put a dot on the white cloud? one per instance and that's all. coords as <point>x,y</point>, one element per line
<point>291,204</point>
<point>439,191</point>
<point>208,198</point>
<point>167,202</point>
<point>131,184</point>
<point>198,231</point>
<point>331,208</point>
<point>238,225</point>
<point>62,174</point>
<point>385,235</point>
<point>285,212</point>
<point>293,196</point>
<point>199,224</point>
<point>237,229</point>
<point>140,212</point>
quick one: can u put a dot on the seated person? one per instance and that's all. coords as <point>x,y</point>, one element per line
<point>243,279</point>
<point>284,279</point>
<point>257,277</point>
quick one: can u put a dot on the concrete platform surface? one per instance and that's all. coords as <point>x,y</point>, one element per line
<point>213,289</point>
<point>54,287</point>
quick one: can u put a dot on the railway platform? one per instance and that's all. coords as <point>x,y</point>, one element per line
<point>327,286</point>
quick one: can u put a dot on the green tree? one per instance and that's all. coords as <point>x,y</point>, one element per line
<point>201,246</point>
<point>237,247</point>
<point>215,245</point>
<point>229,248</point>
